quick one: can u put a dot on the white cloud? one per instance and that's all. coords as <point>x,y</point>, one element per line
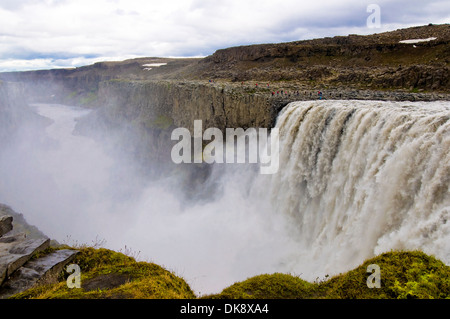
<point>7,65</point>
<point>80,29</point>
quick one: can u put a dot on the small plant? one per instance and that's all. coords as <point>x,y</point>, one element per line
<point>130,252</point>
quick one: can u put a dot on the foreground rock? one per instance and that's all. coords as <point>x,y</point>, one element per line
<point>17,252</point>
<point>106,274</point>
<point>20,224</point>
<point>41,271</point>
<point>18,271</point>
<point>5,224</point>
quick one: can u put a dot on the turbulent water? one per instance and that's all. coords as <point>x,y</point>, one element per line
<point>355,179</point>
<point>361,178</point>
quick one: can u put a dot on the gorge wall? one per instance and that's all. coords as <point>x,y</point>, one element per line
<point>180,103</point>
<point>14,111</point>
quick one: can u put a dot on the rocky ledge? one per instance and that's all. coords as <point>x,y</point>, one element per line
<point>21,268</point>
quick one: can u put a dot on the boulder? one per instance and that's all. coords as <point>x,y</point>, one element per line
<point>5,224</point>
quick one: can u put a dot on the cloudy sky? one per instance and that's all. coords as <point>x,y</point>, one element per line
<point>42,34</point>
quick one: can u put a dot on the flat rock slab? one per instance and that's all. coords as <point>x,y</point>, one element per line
<point>5,224</point>
<point>17,252</point>
<point>107,281</point>
<point>40,271</point>
<point>12,238</point>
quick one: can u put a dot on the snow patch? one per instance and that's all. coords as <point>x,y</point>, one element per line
<point>417,40</point>
<point>148,65</point>
<point>154,64</point>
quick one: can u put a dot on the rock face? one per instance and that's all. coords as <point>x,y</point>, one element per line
<point>20,226</point>
<point>141,115</point>
<point>182,102</point>
<point>18,272</point>
<point>41,271</point>
<point>5,224</point>
<point>14,111</point>
<point>79,86</point>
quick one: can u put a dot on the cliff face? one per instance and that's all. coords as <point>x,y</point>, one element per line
<point>79,86</point>
<point>14,111</point>
<point>141,115</point>
<point>180,103</point>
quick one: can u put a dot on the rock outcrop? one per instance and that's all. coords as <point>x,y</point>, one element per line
<point>378,61</point>
<point>19,271</point>
<point>5,224</point>
<point>21,226</point>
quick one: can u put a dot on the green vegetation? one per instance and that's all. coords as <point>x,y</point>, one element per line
<point>162,122</point>
<point>275,286</point>
<point>72,95</point>
<point>90,98</point>
<point>119,80</point>
<point>403,275</point>
<point>108,274</point>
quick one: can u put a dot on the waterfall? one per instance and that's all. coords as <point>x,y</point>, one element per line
<point>359,178</point>
<point>355,179</point>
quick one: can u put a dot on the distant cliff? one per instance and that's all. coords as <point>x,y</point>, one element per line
<point>14,111</point>
<point>378,61</point>
<point>181,102</point>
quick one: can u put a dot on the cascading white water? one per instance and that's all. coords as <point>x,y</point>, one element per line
<point>355,179</point>
<point>362,177</point>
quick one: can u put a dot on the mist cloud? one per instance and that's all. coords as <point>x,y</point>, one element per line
<point>79,191</point>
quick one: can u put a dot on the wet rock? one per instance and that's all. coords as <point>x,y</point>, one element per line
<point>12,238</point>
<point>20,224</point>
<point>40,271</point>
<point>17,252</point>
<point>5,225</point>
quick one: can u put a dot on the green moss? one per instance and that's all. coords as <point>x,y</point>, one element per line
<point>162,122</point>
<point>275,286</point>
<point>403,275</point>
<point>90,98</point>
<point>72,95</point>
<point>108,274</point>
<point>119,80</point>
